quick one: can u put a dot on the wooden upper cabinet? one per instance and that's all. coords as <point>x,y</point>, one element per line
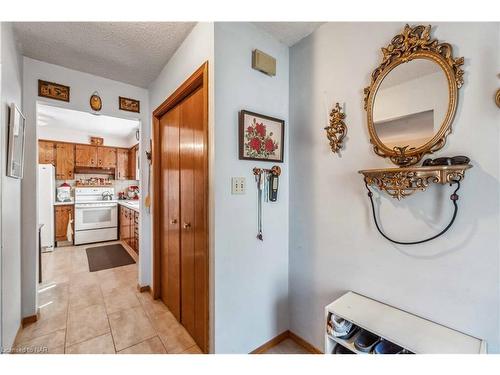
<point>65,161</point>
<point>86,156</point>
<point>106,157</point>
<point>122,172</point>
<point>132,167</point>
<point>46,152</point>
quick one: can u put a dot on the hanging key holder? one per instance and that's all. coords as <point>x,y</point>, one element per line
<point>262,177</point>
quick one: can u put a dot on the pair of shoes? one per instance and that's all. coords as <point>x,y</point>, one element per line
<point>339,349</point>
<point>366,341</point>
<point>387,347</point>
<point>341,328</point>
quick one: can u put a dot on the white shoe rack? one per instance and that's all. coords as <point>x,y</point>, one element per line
<point>416,334</point>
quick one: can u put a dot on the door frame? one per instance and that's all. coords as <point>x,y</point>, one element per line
<point>198,79</point>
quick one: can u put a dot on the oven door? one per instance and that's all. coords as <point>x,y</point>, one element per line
<point>95,216</point>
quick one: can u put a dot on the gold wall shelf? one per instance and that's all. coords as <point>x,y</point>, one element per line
<point>402,182</point>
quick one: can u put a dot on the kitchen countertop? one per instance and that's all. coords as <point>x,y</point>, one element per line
<point>56,203</point>
<point>133,204</point>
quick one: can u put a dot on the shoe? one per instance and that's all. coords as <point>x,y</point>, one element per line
<point>342,328</point>
<point>366,341</point>
<point>387,347</point>
<point>339,349</point>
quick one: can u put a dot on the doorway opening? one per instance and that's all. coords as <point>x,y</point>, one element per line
<point>180,205</point>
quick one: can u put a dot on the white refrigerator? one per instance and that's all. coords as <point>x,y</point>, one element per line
<point>46,196</point>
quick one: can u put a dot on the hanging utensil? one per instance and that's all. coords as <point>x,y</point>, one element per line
<point>259,179</point>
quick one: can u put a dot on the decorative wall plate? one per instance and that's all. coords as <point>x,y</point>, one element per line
<point>95,102</point>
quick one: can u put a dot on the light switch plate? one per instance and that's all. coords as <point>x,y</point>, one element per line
<point>238,185</point>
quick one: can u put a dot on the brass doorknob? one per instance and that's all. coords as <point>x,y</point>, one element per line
<point>173,221</point>
<point>187,225</point>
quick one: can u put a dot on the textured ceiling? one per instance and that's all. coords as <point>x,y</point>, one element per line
<point>289,33</point>
<point>131,52</point>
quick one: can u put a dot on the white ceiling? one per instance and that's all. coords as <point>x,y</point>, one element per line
<point>131,52</point>
<point>97,125</point>
<point>289,33</point>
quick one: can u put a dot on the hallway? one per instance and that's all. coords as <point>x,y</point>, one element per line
<point>98,312</point>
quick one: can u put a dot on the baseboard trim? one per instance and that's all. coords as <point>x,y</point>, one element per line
<point>271,343</point>
<point>282,337</point>
<point>29,319</point>
<point>305,344</point>
<point>144,288</point>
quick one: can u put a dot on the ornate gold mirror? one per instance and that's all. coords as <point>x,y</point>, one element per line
<point>412,97</point>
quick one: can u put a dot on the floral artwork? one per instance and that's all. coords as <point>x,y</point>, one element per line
<point>261,137</point>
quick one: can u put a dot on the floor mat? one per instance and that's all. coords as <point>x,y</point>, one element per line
<point>108,256</point>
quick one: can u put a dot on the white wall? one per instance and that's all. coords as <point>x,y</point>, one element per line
<point>197,48</point>
<point>334,246</point>
<point>11,88</point>
<point>251,277</point>
<point>82,86</point>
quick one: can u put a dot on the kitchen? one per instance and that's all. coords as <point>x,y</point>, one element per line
<point>88,180</point>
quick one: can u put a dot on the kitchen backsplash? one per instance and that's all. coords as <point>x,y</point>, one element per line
<point>119,185</point>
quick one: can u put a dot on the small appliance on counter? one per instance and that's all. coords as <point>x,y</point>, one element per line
<point>64,193</point>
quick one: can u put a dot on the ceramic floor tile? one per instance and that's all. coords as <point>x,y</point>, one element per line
<point>43,344</point>
<point>176,340</point>
<point>86,323</point>
<point>98,345</point>
<point>193,350</point>
<point>130,327</point>
<point>150,305</point>
<point>120,300</point>
<point>42,327</point>
<point>150,346</point>
<point>85,296</point>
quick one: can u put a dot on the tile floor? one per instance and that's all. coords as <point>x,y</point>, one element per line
<point>98,312</point>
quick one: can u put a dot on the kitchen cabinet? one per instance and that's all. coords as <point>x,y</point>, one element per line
<point>63,214</point>
<point>85,156</point>
<point>129,227</point>
<point>106,157</point>
<point>65,161</point>
<point>46,152</point>
<point>122,172</point>
<point>132,163</point>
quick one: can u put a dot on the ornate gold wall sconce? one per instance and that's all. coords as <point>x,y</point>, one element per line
<point>497,98</point>
<point>337,130</point>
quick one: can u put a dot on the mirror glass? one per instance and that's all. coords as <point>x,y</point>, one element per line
<point>411,104</point>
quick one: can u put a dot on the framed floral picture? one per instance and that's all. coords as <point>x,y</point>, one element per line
<point>261,137</point>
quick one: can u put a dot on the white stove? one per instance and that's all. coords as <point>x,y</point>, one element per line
<point>96,215</point>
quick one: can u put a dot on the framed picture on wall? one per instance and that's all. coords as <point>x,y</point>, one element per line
<point>131,105</point>
<point>15,149</point>
<point>53,90</point>
<point>261,137</point>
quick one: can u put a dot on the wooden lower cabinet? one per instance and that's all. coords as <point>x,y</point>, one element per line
<point>62,215</point>
<point>129,227</point>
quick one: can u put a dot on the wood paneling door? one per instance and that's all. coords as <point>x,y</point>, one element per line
<point>65,161</point>
<point>181,219</point>
<point>106,157</point>
<point>170,220</point>
<point>46,152</point>
<point>86,156</point>
<point>122,164</point>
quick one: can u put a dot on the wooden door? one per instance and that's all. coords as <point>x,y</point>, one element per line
<point>180,213</point>
<point>170,212</point>
<point>86,156</point>
<point>62,216</point>
<point>106,157</point>
<point>46,152</point>
<point>65,161</point>
<point>122,164</point>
